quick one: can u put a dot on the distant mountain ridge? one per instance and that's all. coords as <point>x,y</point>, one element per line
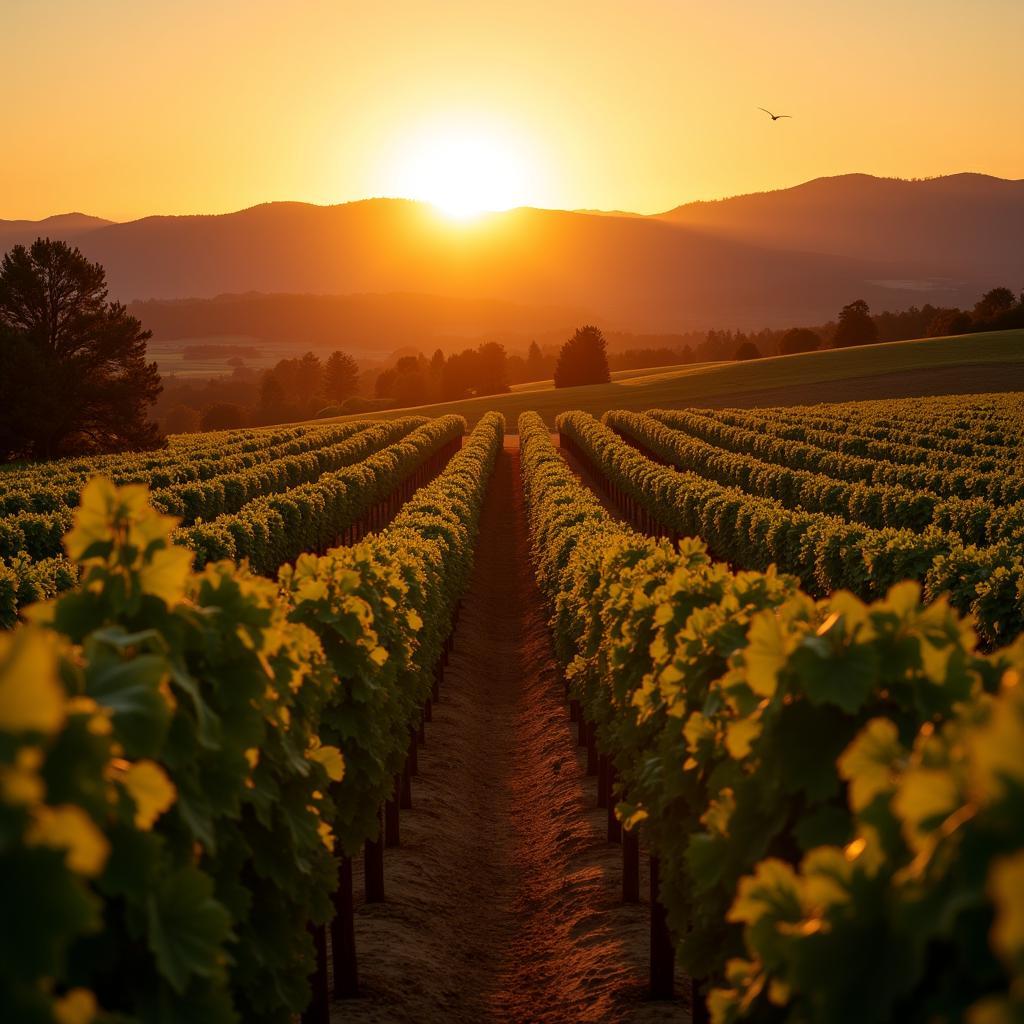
<point>770,259</point>
<point>947,225</point>
<point>61,225</point>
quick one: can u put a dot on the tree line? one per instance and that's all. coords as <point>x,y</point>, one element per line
<point>997,310</point>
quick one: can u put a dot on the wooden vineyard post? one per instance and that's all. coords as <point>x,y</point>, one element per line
<point>413,755</point>
<point>373,865</point>
<point>614,825</point>
<point>421,729</point>
<point>591,749</point>
<point>343,936</point>
<point>663,956</point>
<point>602,780</point>
<point>630,866</point>
<point>405,794</point>
<point>581,730</point>
<point>428,715</point>
<point>391,836</point>
<point>319,1009</point>
<point>698,1004</point>
<point>574,710</point>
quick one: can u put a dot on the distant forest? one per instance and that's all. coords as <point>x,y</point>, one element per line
<point>304,387</point>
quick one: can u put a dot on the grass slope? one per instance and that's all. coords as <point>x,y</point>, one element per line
<point>972,363</point>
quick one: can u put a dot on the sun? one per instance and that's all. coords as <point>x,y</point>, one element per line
<point>464,171</point>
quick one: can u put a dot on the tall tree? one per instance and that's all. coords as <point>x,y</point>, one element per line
<point>73,372</point>
<point>341,377</point>
<point>583,359</point>
<point>534,362</point>
<point>855,326</point>
<point>491,369</point>
<point>994,302</point>
<point>746,350</point>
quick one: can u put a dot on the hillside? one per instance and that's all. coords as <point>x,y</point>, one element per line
<point>633,273</point>
<point>70,226</point>
<point>962,226</point>
<point>973,364</point>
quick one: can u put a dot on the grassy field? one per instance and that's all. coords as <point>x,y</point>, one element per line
<point>972,363</point>
<point>617,375</point>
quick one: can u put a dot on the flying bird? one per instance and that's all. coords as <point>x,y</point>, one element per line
<point>774,117</point>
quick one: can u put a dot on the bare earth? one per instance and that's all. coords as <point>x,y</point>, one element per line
<point>503,901</point>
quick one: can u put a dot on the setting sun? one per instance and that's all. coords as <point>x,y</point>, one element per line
<point>463,172</point>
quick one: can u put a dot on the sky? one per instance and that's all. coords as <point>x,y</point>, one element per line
<point>122,108</point>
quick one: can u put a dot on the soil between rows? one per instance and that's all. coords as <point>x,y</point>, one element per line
<point>504,899</point>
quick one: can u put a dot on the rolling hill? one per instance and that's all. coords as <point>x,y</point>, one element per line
<point>970,364</point>
<point>775,259</point>
<point>961,226</point>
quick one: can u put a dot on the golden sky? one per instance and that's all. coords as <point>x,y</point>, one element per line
<point>123,108</point>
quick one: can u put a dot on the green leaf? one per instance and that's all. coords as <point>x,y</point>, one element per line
<point>187,928</point>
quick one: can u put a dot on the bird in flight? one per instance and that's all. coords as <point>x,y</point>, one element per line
<point>774,117</point>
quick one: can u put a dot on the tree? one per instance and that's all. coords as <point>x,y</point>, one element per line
<point>747,350</point>
<point>534,362</point>
<point>583,359</point>
<point>182,419</point>
<point>223,416</point>
<point>994,302</point>
<point>491,369</point>
<point>798,339</point>
<point>341,377</point>
<point>73,372</point>
<point>855,326</point>
<point>949,322</point>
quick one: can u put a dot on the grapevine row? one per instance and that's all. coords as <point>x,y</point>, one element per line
<point>314,516</point>
<point>818,780</point>
<point>886,449</point>
<point>38,534</point>
<point>170,785</point>
<point>825,552</point>
<point>45,486</point>
<point>975,521</point>
<point>998,487</point>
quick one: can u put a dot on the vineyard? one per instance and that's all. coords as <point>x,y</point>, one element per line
<point>236,672</point>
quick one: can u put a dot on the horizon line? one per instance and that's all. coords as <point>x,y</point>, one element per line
<point>593,211</point>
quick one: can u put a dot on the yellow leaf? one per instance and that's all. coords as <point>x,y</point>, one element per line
<point>331,759</point>
<point>166,573</point>
<point>21,783</point>
<point>1006,890</point>
<point>740,736</point>
<point>311,590</point>
<point>31,695</point>
<point>765,653</point>
<point>631,821</point>
<point>93,517</point>
<point>68,827</point>
<point>413,619</point>
<point>152,791</point>
<point>326,835</point>
<point>925,793</point>
<point>379,655</point>
<point>935,660</point>
<point>716,818</point>
<point>78,1006</point>
<point>868,762</point>
<point>996,748</point>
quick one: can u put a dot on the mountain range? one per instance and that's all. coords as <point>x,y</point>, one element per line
<point>771,259</point>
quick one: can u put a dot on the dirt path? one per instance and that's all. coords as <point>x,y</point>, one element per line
<point>503,902</point>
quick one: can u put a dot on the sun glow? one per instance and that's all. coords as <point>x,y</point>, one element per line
<point>464,172</point>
